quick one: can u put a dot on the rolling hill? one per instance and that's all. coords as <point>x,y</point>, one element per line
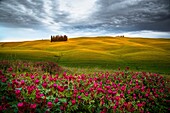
<point>142,54</point>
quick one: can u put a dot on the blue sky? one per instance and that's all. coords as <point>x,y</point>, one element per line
<point>32,20</point>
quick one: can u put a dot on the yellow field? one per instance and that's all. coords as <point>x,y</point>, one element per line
<point>103,52</point>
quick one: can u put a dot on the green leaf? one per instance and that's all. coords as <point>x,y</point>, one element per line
<point>63,100</point>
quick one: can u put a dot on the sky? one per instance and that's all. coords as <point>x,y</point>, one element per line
<point>39,19</point>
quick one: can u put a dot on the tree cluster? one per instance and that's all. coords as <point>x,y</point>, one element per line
<point>59,38</point>
<point>120,36</point>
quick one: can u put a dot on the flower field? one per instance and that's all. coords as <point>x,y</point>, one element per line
<point>39,87</point>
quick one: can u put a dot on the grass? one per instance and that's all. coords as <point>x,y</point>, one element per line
<point>140,54</point>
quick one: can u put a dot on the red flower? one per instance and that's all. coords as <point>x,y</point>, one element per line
<point>73,102</point>
<point>127,68</point>
<point>44,84</point>
<point>110,91</point>
<point>44,77</point>
<point>13,75</point>
<point>1,108</point>
<point>55,85</point>
<point>86,94</point>
<point>139,105</point>
<point>37,81</point>
<point>121,95</point>
<point>114,107</point>
<point>10,69</point>
<point>117,98</point>
<point>20,105</point>
<point>123,88</point>
<point>56,100</point>
<point>79,97</point>
<point>22,82</point>
<point>61,89</point>
<point>114,92</point>
<point>50,78</point>
<point>32,76</point>
<point>33,106</point>
<point>50,104</point>
<point>17,92</point>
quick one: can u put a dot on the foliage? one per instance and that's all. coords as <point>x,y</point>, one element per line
<point>43,87</point>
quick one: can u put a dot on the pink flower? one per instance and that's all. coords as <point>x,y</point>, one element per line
<point>127,68</point>
<point>22,82</point>
<point>50,78</point>
<point>139,105</point>
<point>121,95</point>
<point>114,92</point>
<point>44,77</point>
<point>117,98</point>
<point>33,106</point>
<point>37,81</point>
<point>123,88</point>
<point>114,107</point>
<point>10,69</point>
<point>32,76</point>
<point>146,95</point>
<point>17,92</point>
<point>20,105</point>
<point>86,94</point>
<point>13,75</point>
<point>44,84</point>
<point>56,75</point>
<point>79,97</point>
<point>50,104</point>
<point>56,100</point>
<point>73,102</point>
<point>55,85</point>
<point>1,108</point>
<point>60,88</point>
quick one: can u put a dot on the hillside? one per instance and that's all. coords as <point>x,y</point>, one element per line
<point>104,52</point>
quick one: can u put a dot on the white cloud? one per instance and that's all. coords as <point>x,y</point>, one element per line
<point>145,34</point>
<point>78,9</point>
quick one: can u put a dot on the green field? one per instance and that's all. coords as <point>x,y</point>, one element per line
<point>140,54</point>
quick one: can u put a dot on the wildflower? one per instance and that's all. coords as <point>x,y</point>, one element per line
<point>50,104</point>
<point>13,75</point>
<point>114,107</point>
<point>20,105</point>
<point>146,95</point>
<point>79,97</point>
<point>44,84</point>
<point>117,98</point>
<point>50,78</point>
<point>86,94</point>
<point>1,108</point>
<point>127,68</point>
<point>44,77</point>
<point>73,102</point>
<point>55,85</point>
<point>139,105</point>
<point>17,92</point>
<point>37,81</point>
<point>10,69</point>
<point>61,89</point>
<point>114,92</point>
<point>121,95</point>
<point>61,108</point>
<point>123,88</point>
<point>32,76</point>
<point>22,82</point>
<point>33,106</point>
<point>56,100</point>
<point>110,91</point>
